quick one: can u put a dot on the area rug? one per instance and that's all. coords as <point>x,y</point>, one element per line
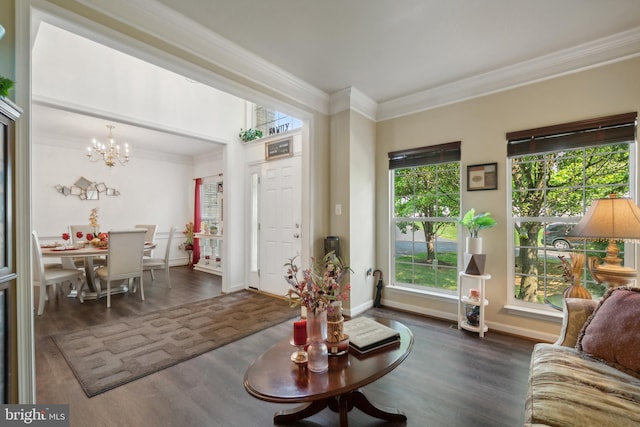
<point>107,356</point>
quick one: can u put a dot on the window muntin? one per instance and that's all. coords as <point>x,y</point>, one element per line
<point>426,207</point>
<point>554,188</point>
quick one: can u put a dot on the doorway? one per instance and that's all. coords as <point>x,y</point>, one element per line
<point>275,229</point>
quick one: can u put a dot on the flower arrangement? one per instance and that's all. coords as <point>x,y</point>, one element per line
<point>189,233</point>
<point>93,220</point>
<point>320,285</point>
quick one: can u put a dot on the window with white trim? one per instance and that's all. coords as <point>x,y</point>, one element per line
<point>557,172</point>
<point>425,194</point>
<point>210,201</point>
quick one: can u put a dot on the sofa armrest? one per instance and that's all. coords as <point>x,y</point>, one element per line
<point>576,312</point>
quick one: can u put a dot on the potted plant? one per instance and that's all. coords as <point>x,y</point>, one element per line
<point>474,223</point>
<point>250,134</point>
<point>5,85</point>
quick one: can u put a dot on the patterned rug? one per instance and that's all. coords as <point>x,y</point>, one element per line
<point>107,356</point>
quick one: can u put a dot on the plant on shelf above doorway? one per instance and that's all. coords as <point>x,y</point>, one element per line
<point>5,85</point>
<point>249,134</point>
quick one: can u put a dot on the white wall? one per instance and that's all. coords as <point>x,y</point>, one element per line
<point>151,192</point>
<point>362,133</point>
<point>89,76</point>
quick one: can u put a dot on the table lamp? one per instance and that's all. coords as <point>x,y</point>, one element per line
<point>615,219</point>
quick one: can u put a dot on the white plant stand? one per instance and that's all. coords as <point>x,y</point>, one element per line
<point>210,253</point>
<point>466,282</point>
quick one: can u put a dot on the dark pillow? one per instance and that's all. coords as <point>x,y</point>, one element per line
<point>612,332</point>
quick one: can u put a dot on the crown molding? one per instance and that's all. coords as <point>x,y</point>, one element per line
<point>352,98</point>
<point>159,20</point>
<point>607,50</point>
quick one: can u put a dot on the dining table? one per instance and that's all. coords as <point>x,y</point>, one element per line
<point>88,252</point>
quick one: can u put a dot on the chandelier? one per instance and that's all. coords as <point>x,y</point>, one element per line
<point>110,152</point>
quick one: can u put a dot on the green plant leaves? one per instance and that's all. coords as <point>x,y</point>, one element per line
<point>5,85</point>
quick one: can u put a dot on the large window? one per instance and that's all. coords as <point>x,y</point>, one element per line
<point>426,207</point>
<point>557,172</point>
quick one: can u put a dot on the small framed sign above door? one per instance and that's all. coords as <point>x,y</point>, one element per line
<point>277,149</point>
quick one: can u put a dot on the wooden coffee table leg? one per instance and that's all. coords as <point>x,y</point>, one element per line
<point>299,412</point>
<point>361,402</point>
<point>345,404</point>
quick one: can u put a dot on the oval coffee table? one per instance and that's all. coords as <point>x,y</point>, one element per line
<point>274,378</point>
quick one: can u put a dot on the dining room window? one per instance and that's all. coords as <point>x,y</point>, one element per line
<point>211,202</point>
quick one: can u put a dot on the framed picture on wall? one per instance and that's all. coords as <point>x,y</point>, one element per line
<point>482,177</point>
<point>277,149</point>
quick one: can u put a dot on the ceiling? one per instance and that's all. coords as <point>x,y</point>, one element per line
<point>387,50</point>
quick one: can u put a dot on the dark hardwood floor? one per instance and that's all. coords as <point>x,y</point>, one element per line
<point>452,378</point>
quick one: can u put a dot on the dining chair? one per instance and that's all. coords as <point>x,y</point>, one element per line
<point>84,229</point>
<point>150,264</point>
<point>149,237</point>
<point>124,259</point>
<point>45,277</point>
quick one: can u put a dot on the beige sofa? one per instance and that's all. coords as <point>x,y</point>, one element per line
<point>570,387</point>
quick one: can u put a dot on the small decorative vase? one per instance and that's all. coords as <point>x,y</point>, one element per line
<point>576,290</point>
<point>317,352</point>
<point>337,340</point>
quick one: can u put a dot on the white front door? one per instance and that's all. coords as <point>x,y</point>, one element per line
<point>278,213</point>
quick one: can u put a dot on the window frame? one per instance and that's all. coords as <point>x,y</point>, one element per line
<point>414,158</point>
<point>566,143</point>
<point>215,182</point>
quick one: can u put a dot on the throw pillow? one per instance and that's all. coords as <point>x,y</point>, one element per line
<point>611,333</point>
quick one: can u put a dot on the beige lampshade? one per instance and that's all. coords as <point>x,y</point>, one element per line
<point>610,218</point>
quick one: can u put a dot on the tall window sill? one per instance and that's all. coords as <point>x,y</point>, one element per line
<point>535,313</point>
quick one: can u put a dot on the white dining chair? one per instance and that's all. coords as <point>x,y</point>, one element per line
<point>150,264</point>
<point>84,229</point>
<point>51,277</point>
<point>124,259</point>
<point>150,236</point>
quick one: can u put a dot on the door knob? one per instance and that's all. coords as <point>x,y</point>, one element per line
<point>296,235</point>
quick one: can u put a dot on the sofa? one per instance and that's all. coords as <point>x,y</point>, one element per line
<point>591,375</point>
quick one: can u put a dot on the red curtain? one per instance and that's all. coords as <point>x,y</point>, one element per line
<point>197,218</point>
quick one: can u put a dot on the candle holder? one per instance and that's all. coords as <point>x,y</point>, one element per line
<point>299,356</point>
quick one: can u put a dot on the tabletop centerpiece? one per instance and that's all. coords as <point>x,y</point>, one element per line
<point>321,291</point>
<point>97,239</point>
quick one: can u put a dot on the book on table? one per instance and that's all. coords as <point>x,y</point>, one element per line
<point>367,335</point>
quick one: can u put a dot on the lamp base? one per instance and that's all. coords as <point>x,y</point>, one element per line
<point>611,274</point>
